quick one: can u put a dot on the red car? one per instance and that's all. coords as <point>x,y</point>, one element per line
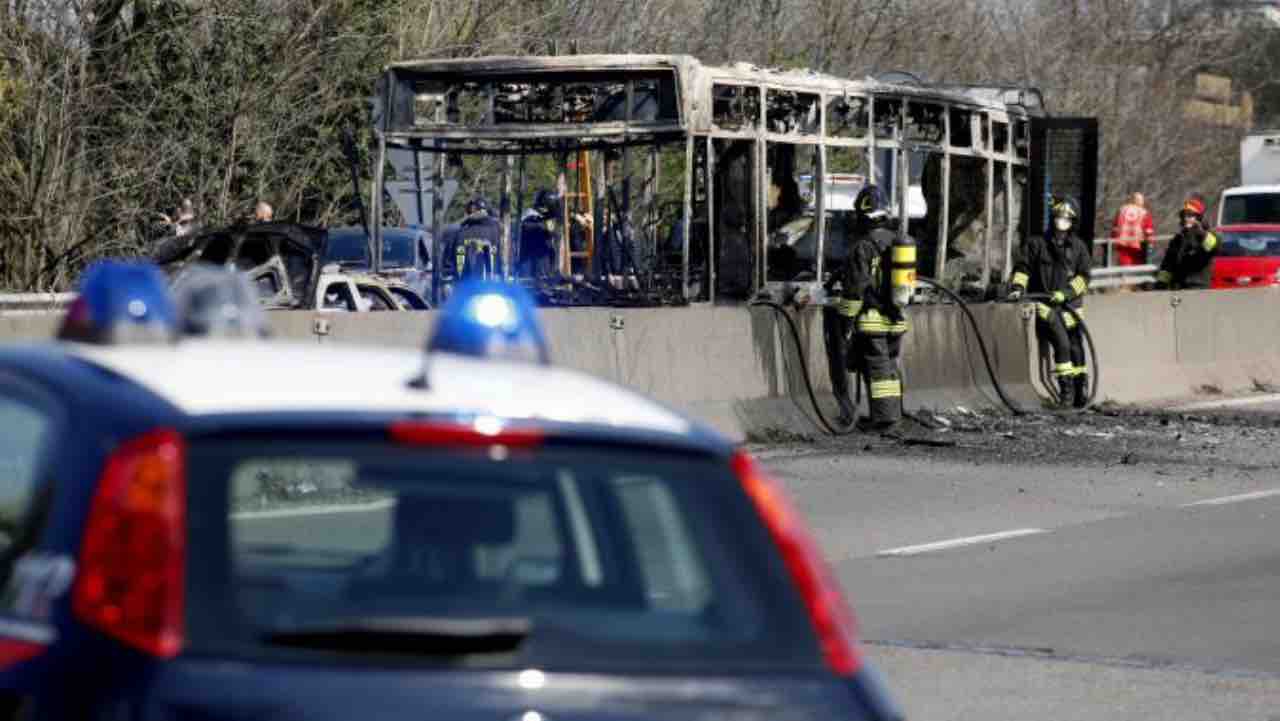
<point>1249,257</point>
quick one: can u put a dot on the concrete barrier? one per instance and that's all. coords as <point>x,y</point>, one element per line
<point>738,368</point>
<point>1159,347</point>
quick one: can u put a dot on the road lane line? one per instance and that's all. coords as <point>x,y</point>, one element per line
<point>317,510</point>
<point>959,542</point>
<point>1234,499</point>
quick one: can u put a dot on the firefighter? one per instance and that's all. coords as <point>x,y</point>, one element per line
<point>1188,263</point>
<point>1057,266</point>
<point>865,325</point>
<point>475,250</point>
<point>538,234</point>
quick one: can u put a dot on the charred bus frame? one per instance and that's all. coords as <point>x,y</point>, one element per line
<point>516,107</point>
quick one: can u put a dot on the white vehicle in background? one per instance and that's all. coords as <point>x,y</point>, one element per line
<point>1260,158</point>
<point>1256,201</point>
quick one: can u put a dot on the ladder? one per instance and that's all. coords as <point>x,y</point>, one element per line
<point>585,203</point>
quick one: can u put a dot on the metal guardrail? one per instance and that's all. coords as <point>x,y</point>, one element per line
<point>1122,276</point>
<point>34,302</point>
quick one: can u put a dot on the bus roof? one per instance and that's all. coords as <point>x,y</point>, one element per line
<point>695,77</point>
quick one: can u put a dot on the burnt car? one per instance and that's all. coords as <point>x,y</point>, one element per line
<point>284,262</point>
<point>406,254</point>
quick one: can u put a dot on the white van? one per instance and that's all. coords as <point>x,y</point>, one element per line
<point>1257,200</point>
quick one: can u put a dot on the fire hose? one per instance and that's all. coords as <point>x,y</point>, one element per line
<point>982,347</point>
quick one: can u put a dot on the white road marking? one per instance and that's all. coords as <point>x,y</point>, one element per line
<point>959,542</point>
<point>316,510</point>
<point>1229,403</point>
<point>1234,499</point>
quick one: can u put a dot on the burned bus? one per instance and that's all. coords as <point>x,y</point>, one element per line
<point>681,182</point>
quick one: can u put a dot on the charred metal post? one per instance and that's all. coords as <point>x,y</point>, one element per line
<point>437,222</point>
<point>820,205</point>
<point>988,149</point>
<point>903,172</point>
<point>375,204</point>
<point>518,235</point>
<point>417,185</point>
<point>711,221</point>
<point>687,215</point>
<point>504,207</point>
<point>944,221</point>
<point>871,139</point>
<point>652,216</point>
<point>1007,270</point>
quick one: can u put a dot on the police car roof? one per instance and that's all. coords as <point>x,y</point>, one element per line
<point>207,377</point>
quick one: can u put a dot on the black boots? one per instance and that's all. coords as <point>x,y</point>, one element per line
<point>1066,392</point>
<point>1081,391</point>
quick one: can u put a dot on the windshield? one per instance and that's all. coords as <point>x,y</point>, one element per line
<point>597,553</point>
<point>397,248</point>
<point>347,245</point>
<point>1251,243</point>
<point>1251,208</point>
<point>350,245</point>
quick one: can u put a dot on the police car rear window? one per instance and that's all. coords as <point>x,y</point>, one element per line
<point>596,554</point>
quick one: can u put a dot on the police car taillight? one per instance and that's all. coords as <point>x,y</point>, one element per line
<point>828,612</point>
<point>132,556</point>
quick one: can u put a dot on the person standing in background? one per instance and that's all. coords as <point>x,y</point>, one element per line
<point>1132,232</point>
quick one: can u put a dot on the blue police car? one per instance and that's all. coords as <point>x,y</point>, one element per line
<point>227,528</point>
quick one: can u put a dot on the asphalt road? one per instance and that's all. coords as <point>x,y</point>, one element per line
<point>1101,592</point>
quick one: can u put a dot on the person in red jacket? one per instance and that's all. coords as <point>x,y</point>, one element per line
<point>1132,231</point>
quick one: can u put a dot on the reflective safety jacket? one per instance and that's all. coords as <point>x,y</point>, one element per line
<point>475,251</point>
<point>867,280</point>
<point>1042,266</point>
<point>1132,227</point>
<point>1189,261</point>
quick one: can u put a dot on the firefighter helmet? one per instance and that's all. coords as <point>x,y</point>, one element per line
<point>1194,205</point>
<point>477,204</point>
<point>871,205</point>
<point>546,202</point>
<point>1066,208</point>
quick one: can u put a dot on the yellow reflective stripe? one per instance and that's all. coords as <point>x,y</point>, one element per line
<point>1164,276</point>
<point>886,389</point>
<point>1069,320</point>
<point>902,327</point>
<point>1059,296</point>
<point>1081,370</point>
<point>1079,284</point>
<point>1043,311</point>
<point>1210,242</point>
<point>872,322</point>
<point>900,276</point>
<point>904,254</point>
<point>1064,369</point>
<point>1021,279</point>
<point>848,308</point>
